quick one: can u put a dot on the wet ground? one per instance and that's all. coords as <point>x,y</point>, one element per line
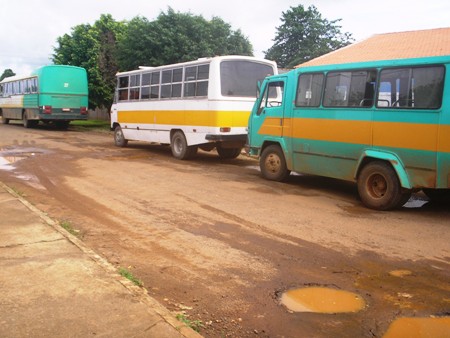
<point>215,241</point>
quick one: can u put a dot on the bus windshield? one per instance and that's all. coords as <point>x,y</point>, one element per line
<point>239,78</point>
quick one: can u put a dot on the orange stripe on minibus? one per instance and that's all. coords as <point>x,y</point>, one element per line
<point>419,136</point>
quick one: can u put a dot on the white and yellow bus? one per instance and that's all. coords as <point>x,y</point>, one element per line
<point>199,104</point>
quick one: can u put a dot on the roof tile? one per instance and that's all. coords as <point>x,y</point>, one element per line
<point>390,46</point>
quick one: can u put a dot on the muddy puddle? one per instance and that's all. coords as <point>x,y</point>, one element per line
<point>8,157</point>
<point>433,327</point>
<point>322,300</point>
<point>400,273</point>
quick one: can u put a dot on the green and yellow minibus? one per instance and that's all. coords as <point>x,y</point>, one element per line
<point>54,94</point>
<point>382,124</point>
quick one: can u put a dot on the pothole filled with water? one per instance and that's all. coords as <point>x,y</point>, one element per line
<point>435,327</point>
<point>9,157</point>
<point>400,273</point>
<point>322,300</point>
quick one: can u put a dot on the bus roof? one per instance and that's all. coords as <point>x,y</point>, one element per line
<point>195,62</point>
<point>16,77</point>
<point>39,72</point>
<point>375,64</point>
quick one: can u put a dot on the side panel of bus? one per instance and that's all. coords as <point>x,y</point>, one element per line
<point>387,127</point>
<point>196,118</point>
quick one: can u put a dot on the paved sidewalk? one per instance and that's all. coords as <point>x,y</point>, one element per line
<point>53,286</point>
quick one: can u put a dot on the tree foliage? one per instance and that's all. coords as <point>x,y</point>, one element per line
<point>7,73</point>
<point>109,46</point>
<point>93,48</point>
<point>305,35</point>
<point>177,37</point>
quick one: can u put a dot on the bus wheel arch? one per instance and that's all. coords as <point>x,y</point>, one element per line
<point>272,163</point>
<point>179,146</point>
<point>119,138</point>
<point>379,185</point>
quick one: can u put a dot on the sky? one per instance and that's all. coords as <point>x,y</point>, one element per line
<point>29,28</point>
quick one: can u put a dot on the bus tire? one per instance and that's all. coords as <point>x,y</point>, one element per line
<point>180,148</point>
<point>273,164</point>
<point>379,187</point>
<point>119,138</point>
<point>26,122</point>
<point>228,153</point>
<point>5,120</point>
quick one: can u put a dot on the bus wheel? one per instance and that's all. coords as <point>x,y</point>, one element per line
<point>273,164</point>
<point>379,187</point>
<point>180,148</point>
<point>228,153</point>
<point>26,122</point>
<point>119,139</point>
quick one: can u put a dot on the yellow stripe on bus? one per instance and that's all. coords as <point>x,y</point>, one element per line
<point>205,118</point>
<point>384,134</point>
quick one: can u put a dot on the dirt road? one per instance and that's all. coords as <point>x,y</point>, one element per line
<point>213,239</point>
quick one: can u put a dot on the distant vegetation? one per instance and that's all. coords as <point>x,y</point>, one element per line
<point>109,46</point>
<point>305,35</point>
<point>7,73</point>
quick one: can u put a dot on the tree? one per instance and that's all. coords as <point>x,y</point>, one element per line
<point>305,35</point>
<point>7,73</point>
<point>177,37</point>
<point>109,46</point>
<point>93,48</point>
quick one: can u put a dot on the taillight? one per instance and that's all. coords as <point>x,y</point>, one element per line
<point>47,109</point>
<point>83,110</point>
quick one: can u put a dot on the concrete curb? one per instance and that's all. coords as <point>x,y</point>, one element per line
<point>139,292</point>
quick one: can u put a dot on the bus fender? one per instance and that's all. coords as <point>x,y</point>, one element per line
<point>392,159</point>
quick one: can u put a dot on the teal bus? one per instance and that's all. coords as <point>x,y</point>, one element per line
<point>55,94</point>
<point>384,125</point>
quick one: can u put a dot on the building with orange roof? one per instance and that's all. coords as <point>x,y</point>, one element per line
<point>390,46</point>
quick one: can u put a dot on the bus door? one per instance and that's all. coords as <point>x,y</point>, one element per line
<point>266,121</point>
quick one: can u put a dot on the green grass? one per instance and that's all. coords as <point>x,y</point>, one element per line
<point>69,228</point>
<point>196,325</point>
<point>101,125</point>
<point>128,275</point>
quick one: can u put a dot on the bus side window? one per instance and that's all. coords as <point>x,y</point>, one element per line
<point>135,83</point>
<point>428,84</point>
<point>34,85</point>
<point>350,89</point>
<point>413,88</point>
<point>123,88</point>
<point>309,90</point>
<point>384,94</point>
